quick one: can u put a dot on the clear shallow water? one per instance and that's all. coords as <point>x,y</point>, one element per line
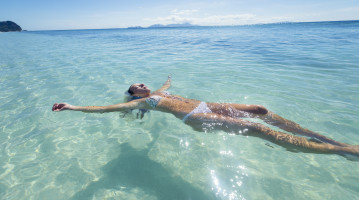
<point>305,72</point>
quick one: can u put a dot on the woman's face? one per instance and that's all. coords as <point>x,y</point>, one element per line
<point>140,89</point>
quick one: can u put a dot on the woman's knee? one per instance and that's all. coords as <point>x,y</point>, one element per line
<point>261,110</point>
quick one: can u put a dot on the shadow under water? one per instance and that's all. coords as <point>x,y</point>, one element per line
<point>134,169</point>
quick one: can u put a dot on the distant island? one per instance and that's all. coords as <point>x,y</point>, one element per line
<point>9,26</point>
<point>135,27</point>
<point>164,26</point>
<point>171,25</point>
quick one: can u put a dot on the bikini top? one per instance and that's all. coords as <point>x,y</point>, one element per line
<point>153,100</point>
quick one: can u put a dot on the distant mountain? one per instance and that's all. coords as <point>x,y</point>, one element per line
<point>9,26</point>
<point>171,25</point>
<point>135,27</point>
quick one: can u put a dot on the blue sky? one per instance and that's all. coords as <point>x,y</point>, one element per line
<point>95,14</point>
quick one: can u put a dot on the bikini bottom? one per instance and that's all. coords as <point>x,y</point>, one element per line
<point>201,108</point>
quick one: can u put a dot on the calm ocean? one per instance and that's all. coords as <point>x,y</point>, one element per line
<point>305,72</point>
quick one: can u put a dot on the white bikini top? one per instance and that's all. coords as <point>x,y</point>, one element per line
<point>153,100</point>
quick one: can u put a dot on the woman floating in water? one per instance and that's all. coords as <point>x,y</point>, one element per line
<point>220,116</point>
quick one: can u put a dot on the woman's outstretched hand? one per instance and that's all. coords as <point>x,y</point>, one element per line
<point>60,107</point>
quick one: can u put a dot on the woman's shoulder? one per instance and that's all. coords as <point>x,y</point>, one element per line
<point>173,98</point>
<point>161,93</point>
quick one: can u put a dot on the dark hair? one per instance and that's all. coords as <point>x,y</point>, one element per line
<point>141,112</point>
<point>129,90</point>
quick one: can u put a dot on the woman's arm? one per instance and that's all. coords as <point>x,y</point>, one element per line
<point>165,86</point>
<point>100,109</point>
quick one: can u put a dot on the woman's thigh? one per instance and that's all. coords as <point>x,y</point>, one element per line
<point>212,121</point>
<point>238,110</point>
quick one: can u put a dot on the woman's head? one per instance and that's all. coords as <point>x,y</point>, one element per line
<point>139,90</point>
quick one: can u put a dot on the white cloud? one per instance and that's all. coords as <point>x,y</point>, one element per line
<point>172,19</point>
<point>215,20</point>
<point>183,12</point>
<point>194,16</point>
<point>227,19</point>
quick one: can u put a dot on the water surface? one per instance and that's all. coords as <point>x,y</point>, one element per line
<point>305,72</point>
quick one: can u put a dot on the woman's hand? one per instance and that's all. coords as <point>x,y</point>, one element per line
<point>61,106</point>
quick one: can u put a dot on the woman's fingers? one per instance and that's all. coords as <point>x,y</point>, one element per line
<point>54,107</point>
<point>58,107</point>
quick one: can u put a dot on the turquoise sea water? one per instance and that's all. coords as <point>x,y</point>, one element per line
<point>305,72</point>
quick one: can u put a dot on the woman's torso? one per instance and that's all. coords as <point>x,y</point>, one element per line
<point>177,105</point>
<point>181,107</point>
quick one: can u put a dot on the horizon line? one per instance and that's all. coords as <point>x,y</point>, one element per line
<point>192,25</point>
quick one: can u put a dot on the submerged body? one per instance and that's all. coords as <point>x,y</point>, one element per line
<point>221,116</point>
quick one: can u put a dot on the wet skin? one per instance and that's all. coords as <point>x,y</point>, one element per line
<point>224,116</point>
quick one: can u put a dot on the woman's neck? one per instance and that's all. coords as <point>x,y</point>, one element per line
<point>138,96</point>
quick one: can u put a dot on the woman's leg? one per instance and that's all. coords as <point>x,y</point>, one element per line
<point>290,126</point>
<point>213,121</point>
<point>237,110</point>
<point>257,111</point>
